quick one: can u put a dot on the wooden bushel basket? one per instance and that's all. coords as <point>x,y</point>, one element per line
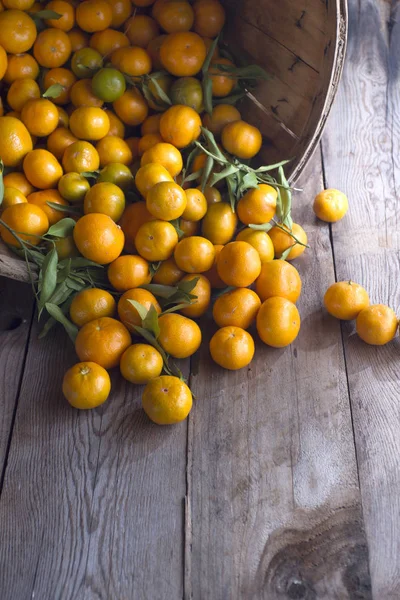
<point>301,44</point>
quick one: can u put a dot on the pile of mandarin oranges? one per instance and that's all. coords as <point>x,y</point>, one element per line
<point>102,103</point>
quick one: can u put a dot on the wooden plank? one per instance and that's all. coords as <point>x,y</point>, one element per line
<point>16,307</point>
<point>274,503</point>
<point>92,505</point>
<point>361,154</point>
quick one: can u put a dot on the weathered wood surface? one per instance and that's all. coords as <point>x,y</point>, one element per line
<point>258,496</point>
<point>361,154</point>
<point>92,503</point>
<point>275,504</point>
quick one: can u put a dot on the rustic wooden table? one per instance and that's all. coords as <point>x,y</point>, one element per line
<point>284,482</point>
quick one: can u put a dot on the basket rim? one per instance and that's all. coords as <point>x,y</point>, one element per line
<point>342,27</point>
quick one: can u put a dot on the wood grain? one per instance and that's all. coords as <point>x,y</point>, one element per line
<point>274,497</point>
<point>92,504</point>
<point>361,155</point>
<point>16,308</point>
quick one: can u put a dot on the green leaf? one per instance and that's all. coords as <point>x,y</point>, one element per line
<point>286,253</point>
<point>51,322</point>
<point>178,230</point>
<point>193,176</point>
<point>140,308</point>
<point>72,210</point>
<point>211,50</point>
<point>232,99</point>
<point>78,262</point>
<point>54,91</point>
<point>153,267</point>
<point>175,307</point>
<point>1,182</point>
<point>75,285</point>
<point>150,322</point>
<point>90,174</point>
<point>61,294</point>
<point>149,337</point>
<point>63,228</point>
<point>229,170</point>
<point>162,291</point>
<point>49,277</point>
<point>265,168</point>
<point>286,200</point>
<point>45,14</point>
<point>57,314</point>
<point>249,181</point>
<point>213,146</point>
<point>162,95</point>
<point>263,227</point>
<point>206,84</point>
<point>208,167</point>
<point>188,286</point>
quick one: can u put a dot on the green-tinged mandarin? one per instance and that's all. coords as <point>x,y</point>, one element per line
<point>108,84</point>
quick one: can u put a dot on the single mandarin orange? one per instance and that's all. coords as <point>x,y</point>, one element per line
<point>17,31</point>
<point>278,278</point>
<point>331,205</point>
<point>132,60</point>
<point>258,205</point>
<point>117,127</point>
<point>73,187</point>
<point>222,81</point>
<point>15,141</point>
<point>66,248</point>
<point>166,200</point>
<point>40,116</point>
<point>94,15</point>
<point>86,385</point>
<point>105,198</point>
<point>183,53</point>
<point>345,300</point>
<point>212,194</point>
<point>168,273</point>
<point>28,221</point>
<point>20,66</point>
<point>241,139</point>
<point>175,15</point>
<point>179,336</point>
<point>127,311</point>
<point>131,107</point>
<point>91,304</point>
<point>166,399</point>
<point>196,206</point>
<point>156,240</point>
<point>148,141</point>
<point>78,38</point>
<point>41,199</point>
<point>119,174</point>
<point>188,228</point>
<point>141,29</point>
<point>238,307</point>
<point>67,19</point>
<point>278,322</point>
<point>232,348</point>
<point>180,126</point>
<point>153,49</point>
<point>113,149</point>
<point>219,223</point>
<point>63,77</point>
<point>239,264</point>
<point>282,241</point>
<point>140,363</point>
<point>166,155</point>
<point>151,124</point>
<point>80,157</point>
<point>376,325</point>
<point>20,91</point>
<point>108,41</point>
<point>98,238</point>
<point>128,272</point>
<point>52,48</point>
<point>202,291</point>
<point>194,254</point>
<point>121,11</point>
<point>102,341</point>
<point>42,169</point>
<point>209,17</point>
<point>89,123</point>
